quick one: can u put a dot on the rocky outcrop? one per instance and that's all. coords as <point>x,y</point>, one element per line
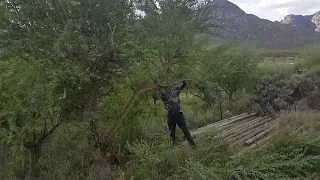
<point>310,21</point>
<point>316,20</point>
<point>234,25</point>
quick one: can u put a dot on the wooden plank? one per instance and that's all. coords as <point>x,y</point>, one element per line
<point>258,144</point>
<point>244,129</point>
<point>216,124</point>
<point>239,140</point>
<point>259,136</point>
<point>238,119</point>
<point>237,124</point>
<point>242,125</point>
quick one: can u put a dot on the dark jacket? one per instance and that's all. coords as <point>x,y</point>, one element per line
<point>171,99</point>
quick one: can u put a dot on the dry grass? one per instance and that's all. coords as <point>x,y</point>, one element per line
<point>299,121</point>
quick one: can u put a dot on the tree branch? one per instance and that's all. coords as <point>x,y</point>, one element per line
<point>44,136</point>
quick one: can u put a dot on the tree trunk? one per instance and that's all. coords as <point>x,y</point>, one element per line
<point>34,156</point>
<point>104,165</point>
<point>230,96</point>
<point>220,108</point>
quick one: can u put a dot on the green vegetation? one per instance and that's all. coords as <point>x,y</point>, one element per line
<point>76,86</point>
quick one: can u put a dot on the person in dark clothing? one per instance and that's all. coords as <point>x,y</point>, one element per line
<point>171,100</point>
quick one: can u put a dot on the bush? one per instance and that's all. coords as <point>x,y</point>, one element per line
<point>271,95</point>
<point>274,93</point>
<point>288,158</point>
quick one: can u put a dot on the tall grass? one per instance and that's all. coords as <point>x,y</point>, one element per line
<point>311,59</point>
<point>295,153</point>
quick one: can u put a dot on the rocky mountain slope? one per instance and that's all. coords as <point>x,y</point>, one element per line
<point>239,27</point>
<point>311,21</point>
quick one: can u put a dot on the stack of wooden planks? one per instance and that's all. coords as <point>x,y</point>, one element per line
<point>246,131</point>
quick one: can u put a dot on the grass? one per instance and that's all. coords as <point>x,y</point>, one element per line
<point>295,153</point>
<point>292,155</point>
<point>299,121</point>
<point>283,66</point>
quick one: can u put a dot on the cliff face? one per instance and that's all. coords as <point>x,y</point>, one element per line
<point>310,21</point>
<point>234,25</point>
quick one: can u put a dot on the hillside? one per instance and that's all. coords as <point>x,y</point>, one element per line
<point>238,26</point>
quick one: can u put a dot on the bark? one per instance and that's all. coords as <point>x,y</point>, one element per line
<point>222,125</point>
<point>245,136</point>
<point>243,126</point>
<point>257,144</point>
<point>34,156</point>
<point>244,129</point>
<point>259,136</point>
<point>230,97</point>
<point>232,123</point>
<point>104,165</point>
<point>214,125</point>
<point>220,108</point>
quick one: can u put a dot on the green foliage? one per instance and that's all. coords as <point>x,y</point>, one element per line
<point>231,69</point>
<point>289,157</point>
<point>311,59</point>
<point>165,40</point>
<point>275,93</point>
<point>161,161</point>
<point>67,155</point>
<point>30,105</point>
<point>70,76</point>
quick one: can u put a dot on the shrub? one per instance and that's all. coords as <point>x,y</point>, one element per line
<point>275,93</point>
<point>288,158</point>
<point>271,95</point>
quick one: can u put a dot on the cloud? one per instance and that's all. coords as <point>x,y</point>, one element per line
<point>277,9</point>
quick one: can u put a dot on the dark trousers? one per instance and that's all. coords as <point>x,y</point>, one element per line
<point>178,118</point>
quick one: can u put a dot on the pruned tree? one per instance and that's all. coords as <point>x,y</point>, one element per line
<point>86,51</point>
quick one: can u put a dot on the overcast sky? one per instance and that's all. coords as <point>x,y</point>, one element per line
<point>277,9</point>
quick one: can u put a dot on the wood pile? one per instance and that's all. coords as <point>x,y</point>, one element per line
<point>244,131</point>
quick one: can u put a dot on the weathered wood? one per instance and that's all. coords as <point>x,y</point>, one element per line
<point>237,124</point>
<point>241,125</point>
<point>259,136</point>
<point>239,140</point>
<point>258,144</point>
<point>248,126</point>
<point>232,118</point>
<point>238,119</point>
<point>216,125</point>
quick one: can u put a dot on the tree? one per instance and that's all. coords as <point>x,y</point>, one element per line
<point>30,109</point>
<point>230,68</point>
<point>65,47</point>
<point>90,49</point>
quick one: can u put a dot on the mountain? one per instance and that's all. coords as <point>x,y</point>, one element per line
<point>310,21</point>
<point>235,25</point>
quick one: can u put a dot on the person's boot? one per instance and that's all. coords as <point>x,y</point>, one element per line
<point>192,144</point>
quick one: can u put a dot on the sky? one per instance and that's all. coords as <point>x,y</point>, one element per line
<point>275,10</point>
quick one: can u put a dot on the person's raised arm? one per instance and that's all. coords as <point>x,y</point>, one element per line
<point>180,88</point>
